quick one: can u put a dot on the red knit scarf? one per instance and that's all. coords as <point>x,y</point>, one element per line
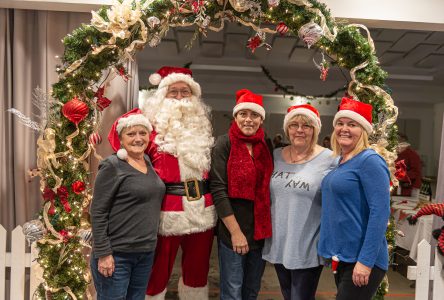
<point>249,178</point>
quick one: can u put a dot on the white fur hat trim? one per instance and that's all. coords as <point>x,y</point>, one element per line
<point>251,106</point>
<point>354,116</point>
<point>305,112</point>
<point>133,120</point>
<point>122,154</point>
<point>176,77</point>
<point>155,78</point>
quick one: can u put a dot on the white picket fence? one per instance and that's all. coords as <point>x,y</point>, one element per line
<point>18,260</point>
<point>423,273</point>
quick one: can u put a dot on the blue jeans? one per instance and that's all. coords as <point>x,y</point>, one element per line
<point>129,280</point>
<point>240,275</point>
<point>298,284</point>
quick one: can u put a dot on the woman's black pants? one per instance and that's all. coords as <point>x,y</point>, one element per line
<point>347,290</point>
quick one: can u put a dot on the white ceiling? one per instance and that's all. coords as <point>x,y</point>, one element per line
<point>413,58</point>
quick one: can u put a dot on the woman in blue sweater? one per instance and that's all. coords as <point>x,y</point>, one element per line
<point>355,205</point>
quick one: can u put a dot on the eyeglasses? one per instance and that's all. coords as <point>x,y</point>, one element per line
<point>295,126</point>
<point>175,93</point>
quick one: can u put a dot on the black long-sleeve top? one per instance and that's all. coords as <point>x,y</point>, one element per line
<point>242,209</point>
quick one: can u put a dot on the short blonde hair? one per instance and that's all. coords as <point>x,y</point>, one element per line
<point>361,145</point>
<point>306,120</point>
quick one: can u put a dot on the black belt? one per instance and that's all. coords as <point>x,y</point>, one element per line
<point>193,189</point>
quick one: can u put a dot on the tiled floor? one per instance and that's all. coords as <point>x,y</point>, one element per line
<point>399,286</point>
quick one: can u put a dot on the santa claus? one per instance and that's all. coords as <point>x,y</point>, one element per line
<point>180,147</point>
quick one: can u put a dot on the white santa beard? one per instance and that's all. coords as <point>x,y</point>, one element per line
<point>184,130</point>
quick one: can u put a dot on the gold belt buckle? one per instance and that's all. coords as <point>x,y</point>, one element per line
<point>187,192</point>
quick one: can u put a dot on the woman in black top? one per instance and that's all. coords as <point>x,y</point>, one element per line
<point>125,213</point>
<point>241,168</point>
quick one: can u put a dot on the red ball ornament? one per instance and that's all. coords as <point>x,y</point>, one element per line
<point>78,187</point>
<point>282,28</point>
<point>75,110</point>
<point>95,138</point>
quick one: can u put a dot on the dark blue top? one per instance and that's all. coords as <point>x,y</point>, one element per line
<point>355,211</point>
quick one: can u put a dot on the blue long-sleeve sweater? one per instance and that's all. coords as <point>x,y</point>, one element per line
<point>355,211</point>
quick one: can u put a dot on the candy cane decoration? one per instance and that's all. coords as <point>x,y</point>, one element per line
<point>432,209</point>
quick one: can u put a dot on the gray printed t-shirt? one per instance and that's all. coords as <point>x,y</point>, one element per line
<point>296,211</point>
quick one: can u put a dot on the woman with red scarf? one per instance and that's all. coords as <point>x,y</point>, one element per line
<point>241,167</point>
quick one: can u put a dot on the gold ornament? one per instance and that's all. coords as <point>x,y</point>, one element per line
<point>240,5</point>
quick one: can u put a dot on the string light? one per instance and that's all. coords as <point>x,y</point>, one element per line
<point>61,219</point>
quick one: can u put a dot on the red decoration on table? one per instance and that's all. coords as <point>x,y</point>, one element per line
<point>75,110</point>
<point>282,28</point>
<point>95,138</point>
<point>78,187</point>
<point>102,102</point>
<point>401,171</point>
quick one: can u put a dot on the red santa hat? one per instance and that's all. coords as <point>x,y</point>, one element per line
<point>245,99</point>
<point>306,110</point>
<point>334,264</point>
<point>166,76</point>
<point>132,118</point>
<point>357,111</point>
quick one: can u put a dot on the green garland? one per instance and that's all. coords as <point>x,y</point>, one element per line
<point>84,62</point>
<point>288,91</point>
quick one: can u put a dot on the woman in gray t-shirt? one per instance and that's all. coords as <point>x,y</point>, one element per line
<point>296,204</point>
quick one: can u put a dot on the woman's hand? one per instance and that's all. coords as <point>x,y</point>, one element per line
<point>106,265</point>
<point>239,241</point>
<point>361,273</point>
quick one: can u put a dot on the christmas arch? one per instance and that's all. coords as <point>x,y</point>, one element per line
<point>96,52</point>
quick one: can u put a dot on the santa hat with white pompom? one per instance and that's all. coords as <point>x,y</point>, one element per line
<point>166,76</point>
<point>132,118</point>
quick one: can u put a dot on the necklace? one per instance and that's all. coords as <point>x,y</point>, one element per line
<point>298,160</point>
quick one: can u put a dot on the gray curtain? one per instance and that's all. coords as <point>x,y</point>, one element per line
<point>29,43</point>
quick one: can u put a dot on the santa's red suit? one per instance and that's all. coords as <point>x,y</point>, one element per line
<point>183,222</point>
